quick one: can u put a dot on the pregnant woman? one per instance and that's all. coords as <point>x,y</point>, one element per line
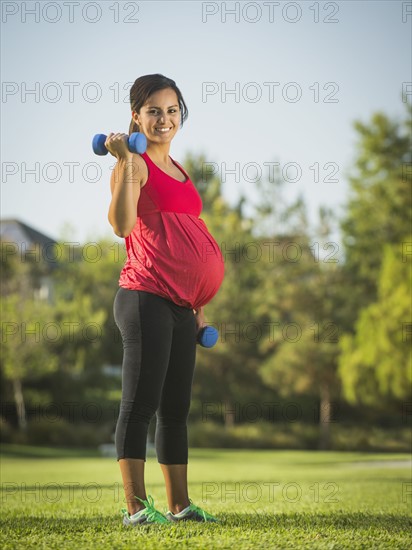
<point>173,268</point>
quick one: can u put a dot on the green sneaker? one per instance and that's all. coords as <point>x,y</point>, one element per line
<point>192,513</point>
<point>147,515</point>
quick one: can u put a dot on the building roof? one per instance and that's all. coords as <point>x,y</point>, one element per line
<point>15,231</point>
<point>28,243</point>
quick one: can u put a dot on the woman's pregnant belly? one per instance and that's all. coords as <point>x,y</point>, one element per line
<point>181,257</point>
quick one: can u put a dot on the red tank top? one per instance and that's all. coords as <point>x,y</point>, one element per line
<point>170,251</point>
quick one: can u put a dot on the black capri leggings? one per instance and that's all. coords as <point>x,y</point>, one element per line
<point>159,354</point>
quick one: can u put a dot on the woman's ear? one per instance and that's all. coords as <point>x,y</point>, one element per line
<point>135,117</point>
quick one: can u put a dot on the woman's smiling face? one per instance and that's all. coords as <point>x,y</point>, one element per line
<point>159,118</point>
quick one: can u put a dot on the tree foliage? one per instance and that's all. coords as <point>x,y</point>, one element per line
<point>379,209</point>
<point>376,361</point>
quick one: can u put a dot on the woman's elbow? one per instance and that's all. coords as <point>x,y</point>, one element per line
<point>121,232</point>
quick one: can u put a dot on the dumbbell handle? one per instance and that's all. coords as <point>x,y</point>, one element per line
<point>207,337</point>
<point>137,143</point>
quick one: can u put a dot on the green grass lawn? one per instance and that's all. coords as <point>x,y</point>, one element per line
<point>265,499</point>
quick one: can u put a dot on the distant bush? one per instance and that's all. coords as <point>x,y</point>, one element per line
<point>59,433</point>
<point>262,435</point>
<point>259,435</point>
<point>372,438</point>
<point>267,435</point>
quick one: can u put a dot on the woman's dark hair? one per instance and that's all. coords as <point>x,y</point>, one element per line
<point>147,85</point>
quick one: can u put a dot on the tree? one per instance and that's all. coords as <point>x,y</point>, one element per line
<point>25,353</point>
<point>379,207</point>
<point>301,357</point>
<point>375,364</point>
<point>301,297</point>
<point>39,337</point>
<point>93,270</point>
<point>86,283</point>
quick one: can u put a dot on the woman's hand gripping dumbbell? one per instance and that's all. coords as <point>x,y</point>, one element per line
<point>136,143</point>
<point>207,336</point>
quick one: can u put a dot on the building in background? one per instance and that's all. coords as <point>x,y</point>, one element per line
<point>25,244</point>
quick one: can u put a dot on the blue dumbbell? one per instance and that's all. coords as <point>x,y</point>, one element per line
<point>207,337</point>
<point>137,143</point>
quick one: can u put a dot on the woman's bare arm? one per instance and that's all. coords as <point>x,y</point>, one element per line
<point>125,184</point>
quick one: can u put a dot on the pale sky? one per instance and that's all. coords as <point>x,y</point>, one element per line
<point>302,72</point>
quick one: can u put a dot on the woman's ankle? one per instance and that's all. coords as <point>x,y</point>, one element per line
<point>136,505</point>
<point>179,507</point>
